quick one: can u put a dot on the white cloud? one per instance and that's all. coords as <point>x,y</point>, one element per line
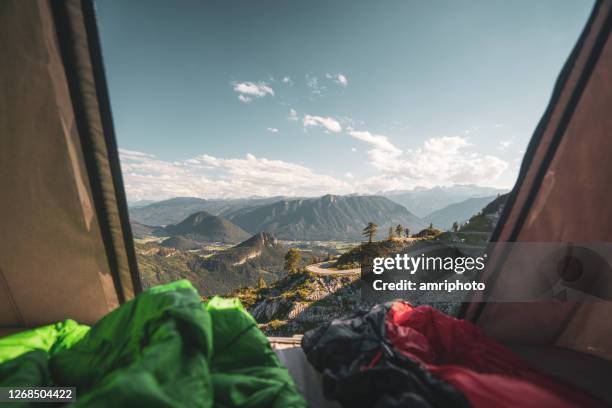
<point>383,155</point>
<point>439,161</point>
<point>287,80</point>
<point>382,150</point>
<point>147,177</point>
<point>330,124</point>
<point>318,87</point>
<point>249,90</point>
<point>448,160</point>
<point>340,79</point>
<point>293,114</point>
<point>504,144</point>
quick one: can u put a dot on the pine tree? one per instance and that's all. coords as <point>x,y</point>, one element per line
<point>399,230</point>
<point>391,234</point>
<point>407,232</point>
<point>455,226</point>
<point>292,260</point>
<point>370,231</point>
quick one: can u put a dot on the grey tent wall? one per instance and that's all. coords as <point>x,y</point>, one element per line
<point>562,195</point>
<point>507,230</point>
<point>67,250</point>
<point>79,41</point>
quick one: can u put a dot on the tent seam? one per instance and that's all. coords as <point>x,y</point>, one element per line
<point>593,56</point>
<point>11,299</point>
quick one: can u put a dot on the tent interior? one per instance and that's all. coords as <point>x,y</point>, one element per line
<point>67,246</point>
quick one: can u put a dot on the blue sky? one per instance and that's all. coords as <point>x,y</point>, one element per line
<point>235,98</point>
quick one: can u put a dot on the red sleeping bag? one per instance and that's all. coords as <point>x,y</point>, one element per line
<point>459,353</point>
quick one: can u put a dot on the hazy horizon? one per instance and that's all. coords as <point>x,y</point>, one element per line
<point>273,98</point>
<point>379,193</point>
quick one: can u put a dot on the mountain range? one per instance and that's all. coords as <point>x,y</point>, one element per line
<point>142,231</point>
<point>174,210</point>
<point>325,218</point>
<point>486,219</point>
<point>419,201</point>
<point>329,217</point>
<point>259,257</point>
<point>204,227</point>
<point>459,212</point>
<point>423,201</point>
<point>182,243</point>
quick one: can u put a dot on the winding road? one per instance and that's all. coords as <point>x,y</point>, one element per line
<point>324,268</point>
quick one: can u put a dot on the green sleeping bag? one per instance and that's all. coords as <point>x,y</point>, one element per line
<point>165,348</point>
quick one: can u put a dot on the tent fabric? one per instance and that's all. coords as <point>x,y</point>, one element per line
<point>563,194</point>
<point>163,349</point>
<point>81,54</point>
<point>398,354</point>
<point>66,252</point>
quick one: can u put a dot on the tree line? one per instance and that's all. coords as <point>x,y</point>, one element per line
<point>398,231</point>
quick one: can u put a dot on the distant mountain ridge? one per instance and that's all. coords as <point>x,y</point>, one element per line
<point>423,201</point>
<point>182,243</point>
<point>329,217</point>
<point>258,257</point>
<point>459,212</point>
<point>419,201</point>
<point>141,231</point>
<point>486,220</point>
<point>139,203</point>
<point>204,227</point>
<point>165,212</point>
<point>174,210</point>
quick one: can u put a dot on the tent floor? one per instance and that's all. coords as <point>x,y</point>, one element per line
<point>586,372</point>
<point>589,373</point>
<point>306,378</point>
